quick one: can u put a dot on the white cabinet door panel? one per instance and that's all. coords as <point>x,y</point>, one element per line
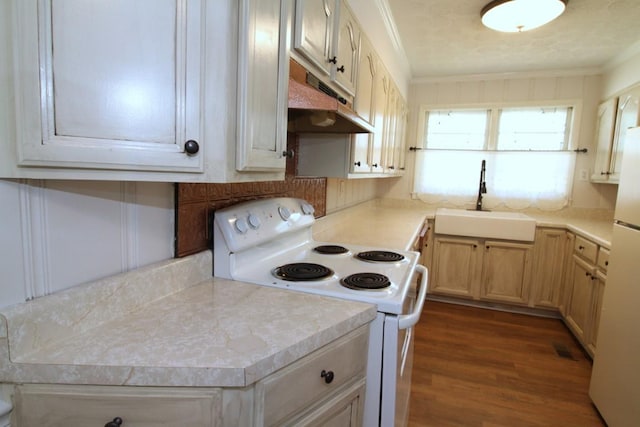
<point>314,26</point>
<point>118,86</point>
<point>262,126</point>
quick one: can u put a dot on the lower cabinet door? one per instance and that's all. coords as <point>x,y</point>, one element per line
<point>456,267</point>
<point>506,272</point>
<point>580,300</point>
<point>82,406</point>
<point>342,410</point>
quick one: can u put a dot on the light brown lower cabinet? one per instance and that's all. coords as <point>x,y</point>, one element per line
<point>295,395</point>
<point>549,265</point>
<point>596,308</point>
<point>506,272</point>
<point>481,269</point>
<point>584,288</point>
<point>559,271</point>
<point>456,267</point>
<point>580,301</point>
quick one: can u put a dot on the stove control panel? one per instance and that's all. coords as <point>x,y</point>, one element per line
<point>250,223</point>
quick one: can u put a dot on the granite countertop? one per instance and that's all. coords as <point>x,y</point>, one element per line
<point>396,223</point>
<point>211,332</point>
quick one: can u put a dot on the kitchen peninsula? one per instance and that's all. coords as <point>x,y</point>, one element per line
<point>177,334</point>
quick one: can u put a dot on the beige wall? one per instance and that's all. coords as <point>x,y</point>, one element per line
<point>487,89</point>
<point>342,193</point>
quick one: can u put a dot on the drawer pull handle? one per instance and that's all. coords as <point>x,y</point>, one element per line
<point>327,375</point>
<point>117,421</point>
<point>606,263</point>
<point>580,248</point>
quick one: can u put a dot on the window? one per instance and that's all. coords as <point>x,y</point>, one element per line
<point>527,150</point>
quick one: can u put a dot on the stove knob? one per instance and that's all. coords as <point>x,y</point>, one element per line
<point>241,226</point>
<point>254,221</point>
<point>284,212</point>
<point>307,209</point>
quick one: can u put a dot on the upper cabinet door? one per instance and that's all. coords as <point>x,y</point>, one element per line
<point>113,85</point>
<point>314,31</point>
<point>628,116</point>
<point>263,57</point>
<point>604,135</point>
<point>346,49</point>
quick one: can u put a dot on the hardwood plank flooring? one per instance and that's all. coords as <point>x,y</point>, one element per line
<point>475,367</point>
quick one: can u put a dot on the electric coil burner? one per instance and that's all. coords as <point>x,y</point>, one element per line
<point>331,249</point>
<point>365,281</point>
<point>380,256</point>
<point>302,271</point>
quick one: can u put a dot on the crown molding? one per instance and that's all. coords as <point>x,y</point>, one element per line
<point>510,75</point>
<point>390,25</point>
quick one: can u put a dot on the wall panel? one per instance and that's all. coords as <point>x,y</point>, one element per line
<point>58,234</point>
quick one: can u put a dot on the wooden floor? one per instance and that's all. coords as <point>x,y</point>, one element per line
<point>478,367</point>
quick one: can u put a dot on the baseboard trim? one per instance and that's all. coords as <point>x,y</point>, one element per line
<point>530,311</point>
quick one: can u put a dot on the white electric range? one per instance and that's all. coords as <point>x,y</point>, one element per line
<point>269,242</point>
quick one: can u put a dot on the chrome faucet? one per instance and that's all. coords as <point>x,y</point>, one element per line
<point>482,188</point>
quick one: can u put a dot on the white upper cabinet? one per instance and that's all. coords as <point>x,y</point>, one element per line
<point>118,87</point>
<point>314,30</point>
<point>327,36</point>
<point>346,49</point>
<point>615,116</point>
<point>262,129</point>
<point>161,90</point>
<point>364,105</point>
<point>604,139</point>
<point>628,116</point>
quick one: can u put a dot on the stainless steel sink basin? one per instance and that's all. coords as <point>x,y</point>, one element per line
<point>486,224</point>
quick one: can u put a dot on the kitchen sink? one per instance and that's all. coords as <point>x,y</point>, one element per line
<point>487,224</point>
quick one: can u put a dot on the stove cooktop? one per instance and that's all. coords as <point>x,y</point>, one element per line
<point>384,283</point>
<point>258,241</point>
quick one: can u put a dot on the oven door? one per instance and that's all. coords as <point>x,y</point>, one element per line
<point>398,356</point>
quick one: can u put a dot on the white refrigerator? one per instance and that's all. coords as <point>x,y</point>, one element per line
<point>615,379</point>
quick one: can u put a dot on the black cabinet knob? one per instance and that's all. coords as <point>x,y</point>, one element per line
<point>375,165</point>
<point>357,163</point>
<point>191,147</point>
<point>340,69</point>
<point>288,154</point>
<point>333,60</point>
<point>327,375</point>
<point>116,422</point>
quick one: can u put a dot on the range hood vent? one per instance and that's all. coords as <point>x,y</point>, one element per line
<point>316,108</point>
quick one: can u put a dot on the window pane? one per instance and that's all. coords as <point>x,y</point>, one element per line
<point>456,130</point>
<point>533,128</point>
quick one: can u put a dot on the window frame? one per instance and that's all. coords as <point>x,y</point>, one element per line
<point>493,109</point>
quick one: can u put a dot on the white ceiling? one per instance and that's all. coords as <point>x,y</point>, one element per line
<point>446,38</point>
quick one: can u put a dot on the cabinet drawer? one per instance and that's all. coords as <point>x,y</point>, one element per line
<point>603,259</point>
<point>300,385</point>
<point>81,406</point>
<point>586,249</point>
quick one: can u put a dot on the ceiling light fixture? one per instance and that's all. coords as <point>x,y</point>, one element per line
<point>513,16</point>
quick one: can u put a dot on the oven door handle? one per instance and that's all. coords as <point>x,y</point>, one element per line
<point>408,320</point>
